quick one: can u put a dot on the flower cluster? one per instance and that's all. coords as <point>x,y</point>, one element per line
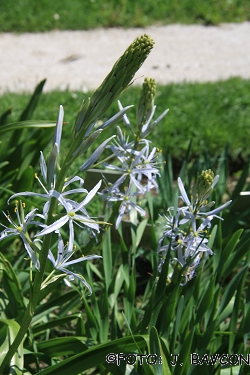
<point>185,237</point>
<point>135,161</point>
<point>75,213</point>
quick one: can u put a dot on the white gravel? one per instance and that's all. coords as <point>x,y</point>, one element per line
<point>80,60</point>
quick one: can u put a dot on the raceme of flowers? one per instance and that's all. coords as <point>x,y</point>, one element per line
<point>184,236</point>
<point>135,160</point>
<point>134,167</point>
<point>75,214</point>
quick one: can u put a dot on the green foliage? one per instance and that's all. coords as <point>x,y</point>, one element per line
<point>19,145</point>
<point>208,316</point>
<point>211,114</point>
<point>43,15</point>
<point>8,331</point>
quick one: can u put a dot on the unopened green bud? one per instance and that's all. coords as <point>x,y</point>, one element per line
<point>116,81</point>
<point>203,187</point>
<point>146,101</point>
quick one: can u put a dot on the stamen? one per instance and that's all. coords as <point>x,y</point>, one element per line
<point>40,182</point>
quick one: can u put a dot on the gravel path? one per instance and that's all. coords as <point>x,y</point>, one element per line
<point>80,60</point>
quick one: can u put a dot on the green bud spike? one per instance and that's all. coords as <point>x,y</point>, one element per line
<point>116,81</point>
<point>203,187</point>
<point>80,117</point>
<point>146,101</point>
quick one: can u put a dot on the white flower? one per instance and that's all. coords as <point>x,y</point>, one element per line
<point>126,205</point>
<point>121,146</point>
<point>184,238</point>
<point>72,216</point>
<point>137,165</point>
<point>53,193</point>
<point>149,167</point>
<point>20,229</point>
<point>201,206</point>
<point>62,262</point>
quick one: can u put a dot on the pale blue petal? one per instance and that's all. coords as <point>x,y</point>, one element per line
<point>46,208</point>
<point>90,195</point>
<point>60,250</point>
<point>116,117</point>
<point>52,163</point>
<point>183,192</point>
<point>71,236</point>
<point>95,156</point>
<point>31,253</point>
<point>86,221</point>
<point>75,191</point>
<point>138,208</point>
<point>51,258</point>
<point>216,178</point>
<point>125,117</point>
<point>83,258</point>
<point>58,130</point>
<point>218,210</point>
<point>53,227</point>
<point>77,276</point>
<point>86,143</point>
<point>43,166</point>
<point>76,178</point>
<point>154,124</point>
<point>29,194</point>
<point>145,126</point>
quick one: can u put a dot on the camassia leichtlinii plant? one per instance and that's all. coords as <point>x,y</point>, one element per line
<point>60,211</point>
<point>48,232</point>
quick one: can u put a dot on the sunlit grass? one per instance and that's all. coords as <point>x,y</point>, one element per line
<point>211,114</point>
<point>44,15</point>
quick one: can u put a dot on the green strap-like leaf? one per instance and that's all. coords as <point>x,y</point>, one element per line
<point>206,301</point>
<point>16,306</point>
<point>26,124</point>
<point>8,331</point>
<point>94,356</point>
<point>161,366</point>
<point>231,289</point>
<point>28,111</point>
